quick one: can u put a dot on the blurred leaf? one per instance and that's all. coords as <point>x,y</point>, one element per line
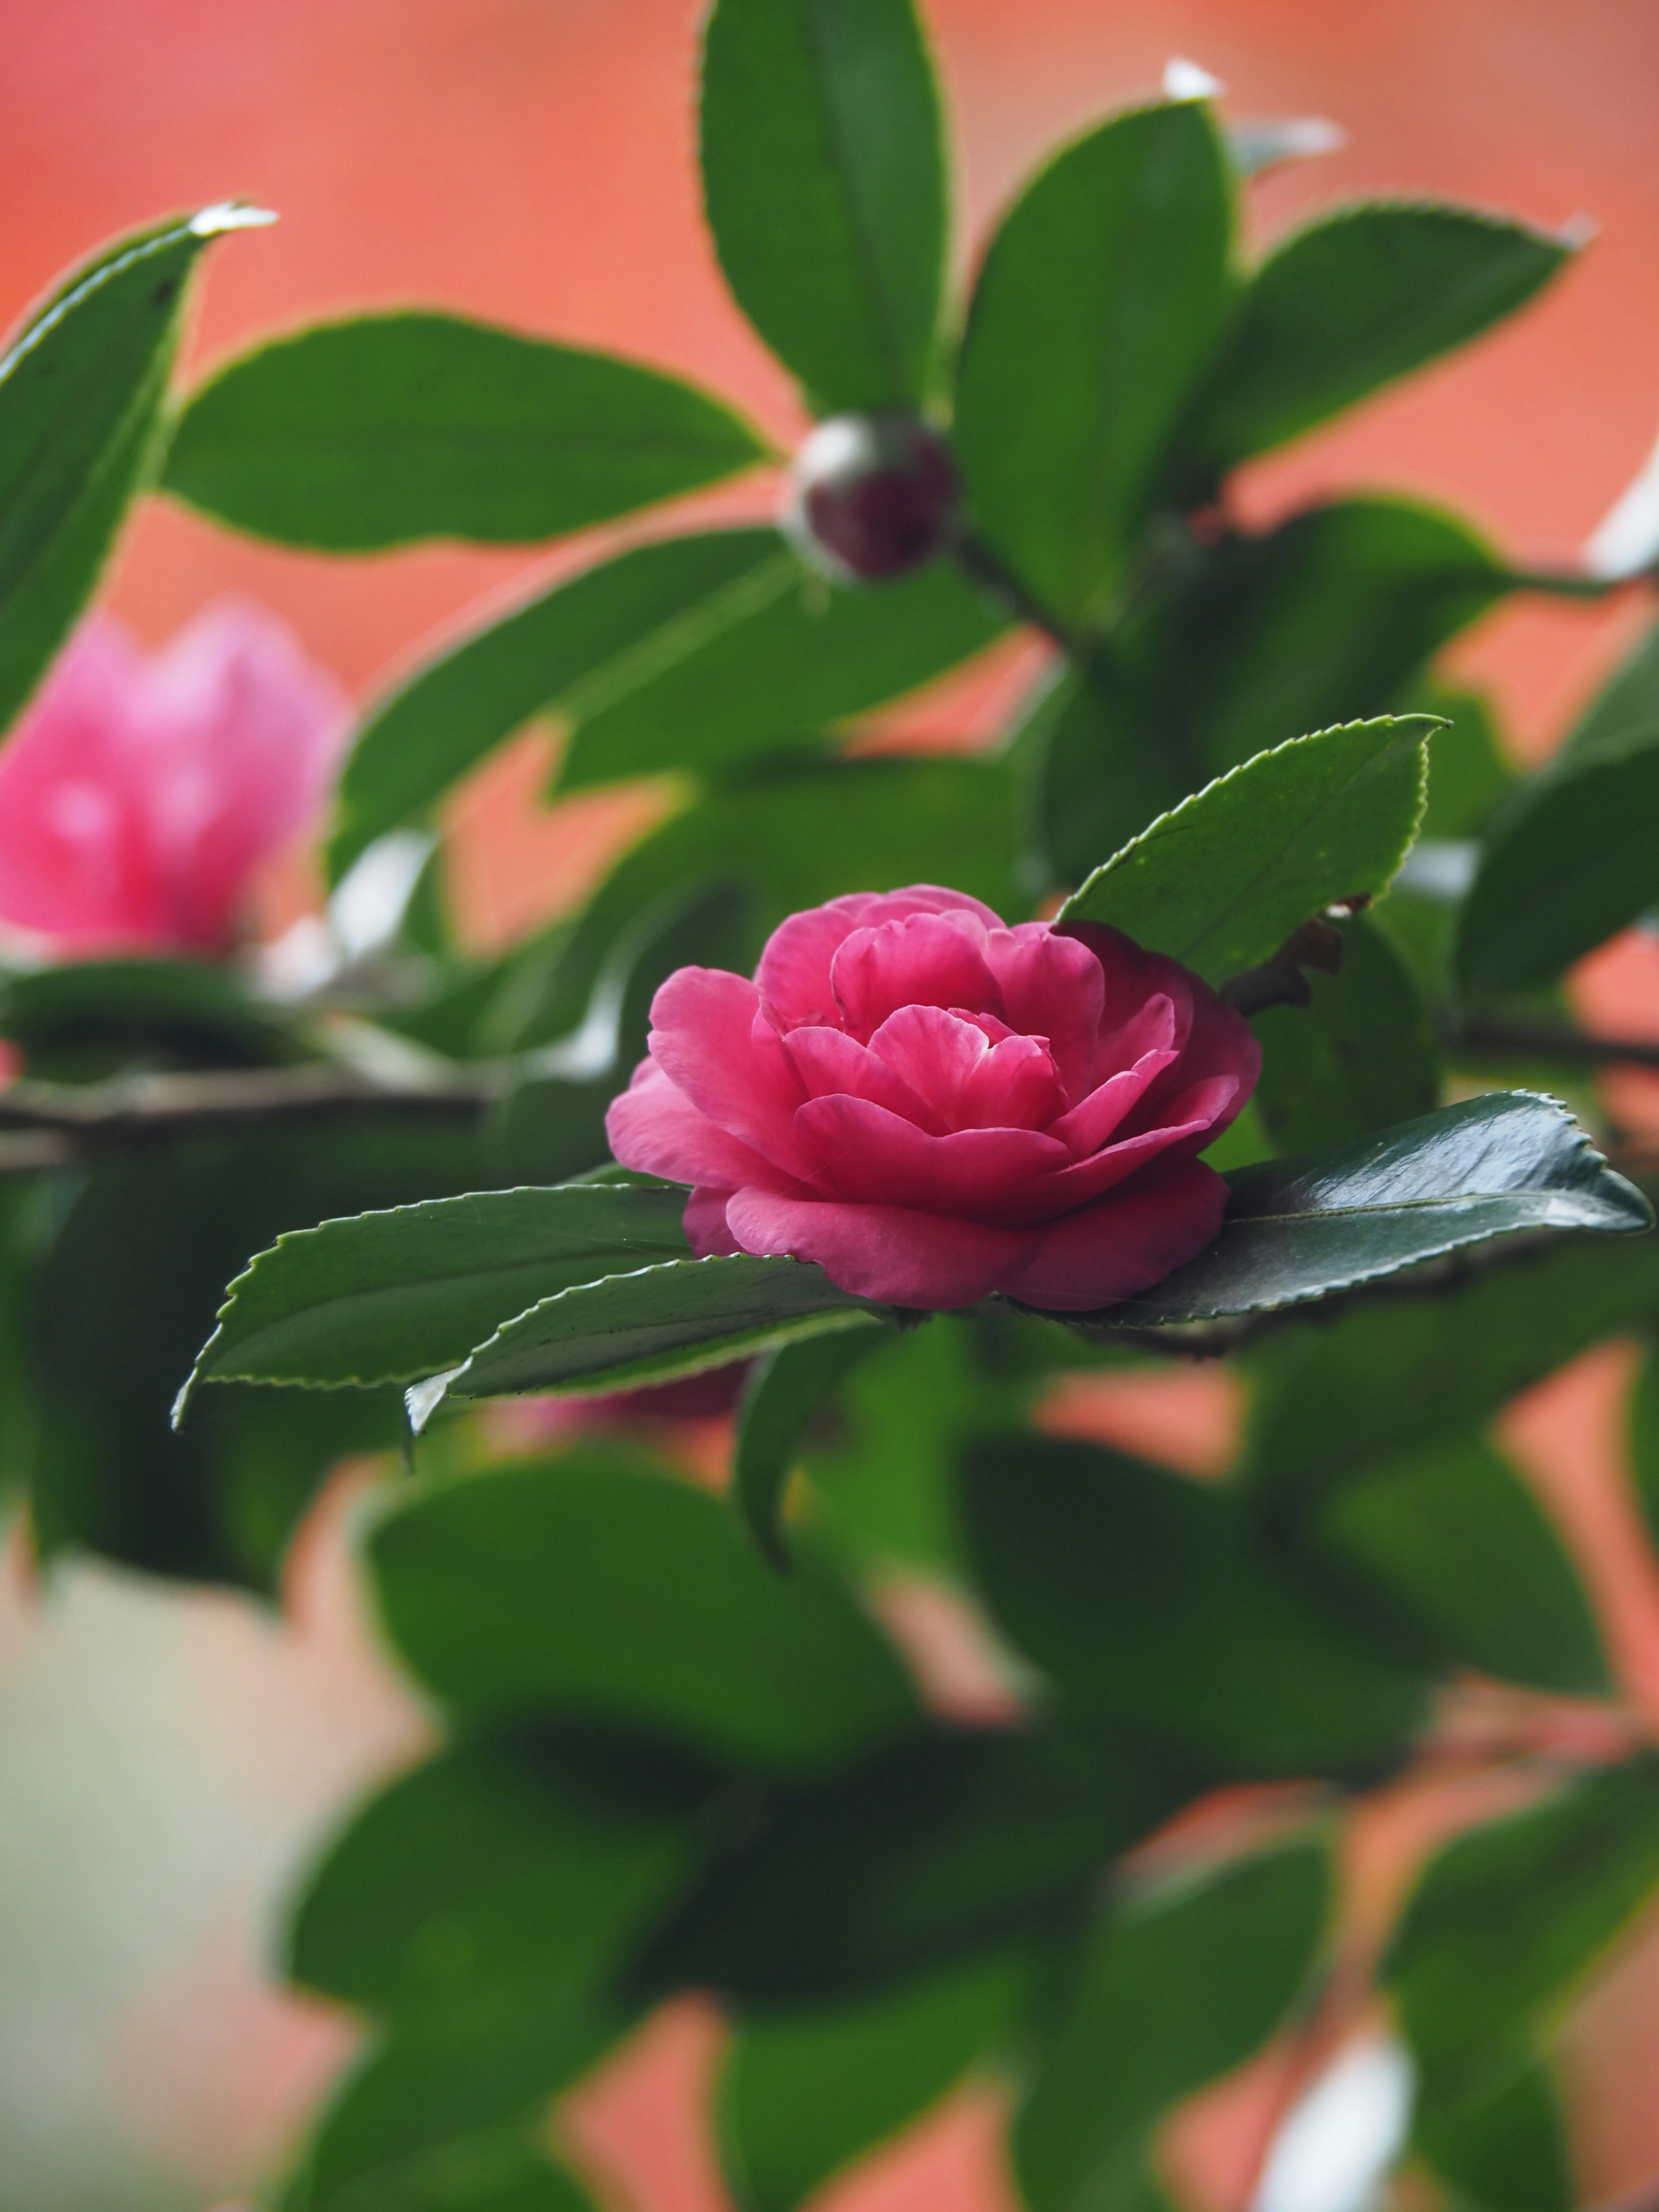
<point>1627,701</point>
<point>385,1297</point>
<point>1468,1562</point>
<point>937,1851</point>
<point>498,1876</point>
<point>1226,878</point>
<point>1142,1592</point>
<point>496,2170</point>
<point>1572,858</point>
<point>1303,1228</point>
<point>1508,1917</point>
<point>797,835</point>
<point>1324,619</point>
<point>1506,2150</point>
<point>1376,1384</point>
<point>823,175</point>
<point>386,428</point>
<point>1097,311</point>
<point>89,1017</point>
<point>1360,1056</point>
<point>1361,296</point>
<point>1102,770</point>
<point>804,2093</point>
<point>788,1387</point>
<point>590,1587</point>
<point>1178,1987</point>
<point>1645,1439</point>
<point>1469,771</point>
<point>671,1318</point>
<point>81,387</point>
<point>691,653</point>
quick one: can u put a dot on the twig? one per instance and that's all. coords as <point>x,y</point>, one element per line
<point>1554,1040</point>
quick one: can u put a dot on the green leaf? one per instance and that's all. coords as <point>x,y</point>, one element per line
<point>1301,1229</point>
<point>1096,314</point>
<point>590,1589</point>
<point>691,653</point>
<point>1378,1382</point>
<point>787,1390</point>
<point>1508,1918</point>
<point>1178,1987</point>
<point>1363,295</point>
<point>941,1849</point>
<point>500,2170</point>
<point>1222,881</point>
<point>823,176</point>
<point>498,1876</point>
<point>1141,1591</point>
<point>387,1297</point>
<point>1570,860</point>
<point>1506,2150</point>
<point>81,387</point>
<point>1465,1564</point>
<point>1361,1055</point>
<point>88,1017</point>
<point>1644,1441</point>
<point>804,2093</point>
<point>650,1326</point>
<point>1627,701</point>
<point>1470,772</point>
<point>796,835</point>
<point>1103,767</point>
<point>387,429</point>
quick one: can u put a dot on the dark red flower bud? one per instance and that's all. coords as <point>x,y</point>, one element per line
<point>871,496</point>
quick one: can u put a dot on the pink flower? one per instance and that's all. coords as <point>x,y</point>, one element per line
<point>935,1107</point>
<point>138,794</point>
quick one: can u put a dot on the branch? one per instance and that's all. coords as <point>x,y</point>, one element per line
<point>1554,1040</point>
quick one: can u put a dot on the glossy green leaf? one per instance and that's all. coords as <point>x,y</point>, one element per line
<point>1139,1591</point>
<point>590,1587</point>
<point>672,1318</point>
<point>823,177</point>
<point>1222,881</point>
<point>796,835</point>
<point>802,2094</point>
<point>1178,1986</point>
<point>1507,1919</point>
<point>1360,297</point>
<point>1096,314</point>
<point>387,429</point>
<point>789,1388</point>
<point>1359,1057</point>
<point>1301,1228</point>
<point>1570,860</point>
<point>939,1851</point>
<point>1380,1381</point>
<point>496,1877</point>
<point>385,1297</point>
<point>81,387</point>
<point>1465,1562</point>
<point>1504,2148</point>
<point>691,653</point>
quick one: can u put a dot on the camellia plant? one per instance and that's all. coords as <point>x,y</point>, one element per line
<point>880,1093</point>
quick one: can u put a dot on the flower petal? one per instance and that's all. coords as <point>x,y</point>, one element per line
<point>709,1037</point>
<point>1096,1119</point>
<point>862,1153</point>
<point>892,1252</point>
<point>926,960</point>
<point>706,1226</point>
<point>793,974</point>
<point>828,1061</point>
<point>654,1128</point>
<point>1124,1243</point>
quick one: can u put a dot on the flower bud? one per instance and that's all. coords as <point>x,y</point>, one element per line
<point>871,496</point>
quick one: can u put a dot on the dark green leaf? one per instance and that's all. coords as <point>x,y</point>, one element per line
<point>589,1587</point>
<point>498,2170</point>
<point>1507,1919</point>
<point>80,391</point>
<point>1178,1987</point>
<point>1301,1229</point>
<point>1095,315</point>
<point>823,175</point>
<point>1363,295</point>
<point>1469,771</point>
<point>1226,878</point>
<point>1506,2148</point>
<point>787,1390</point>
<point>88,1017</point>
<point>1469,1564</point>
<point>386,428</point>
<point>1361,1055</point>
<point>1378,1382</point>
<point>1571,859</point>
<point>804,2093</point>
<point>1102,769</point>
<point>1644,1440</point>
<point>385,1297</point>
<point>941,1850</point>
<point>662,1320</point>
<point>498,1876</point>
<point>690,654</point>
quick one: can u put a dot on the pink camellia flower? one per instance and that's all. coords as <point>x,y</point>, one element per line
<point>934,1106</point>
<point>139,793</point>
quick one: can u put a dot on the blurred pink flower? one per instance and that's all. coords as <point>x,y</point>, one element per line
<point>139,792</point>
